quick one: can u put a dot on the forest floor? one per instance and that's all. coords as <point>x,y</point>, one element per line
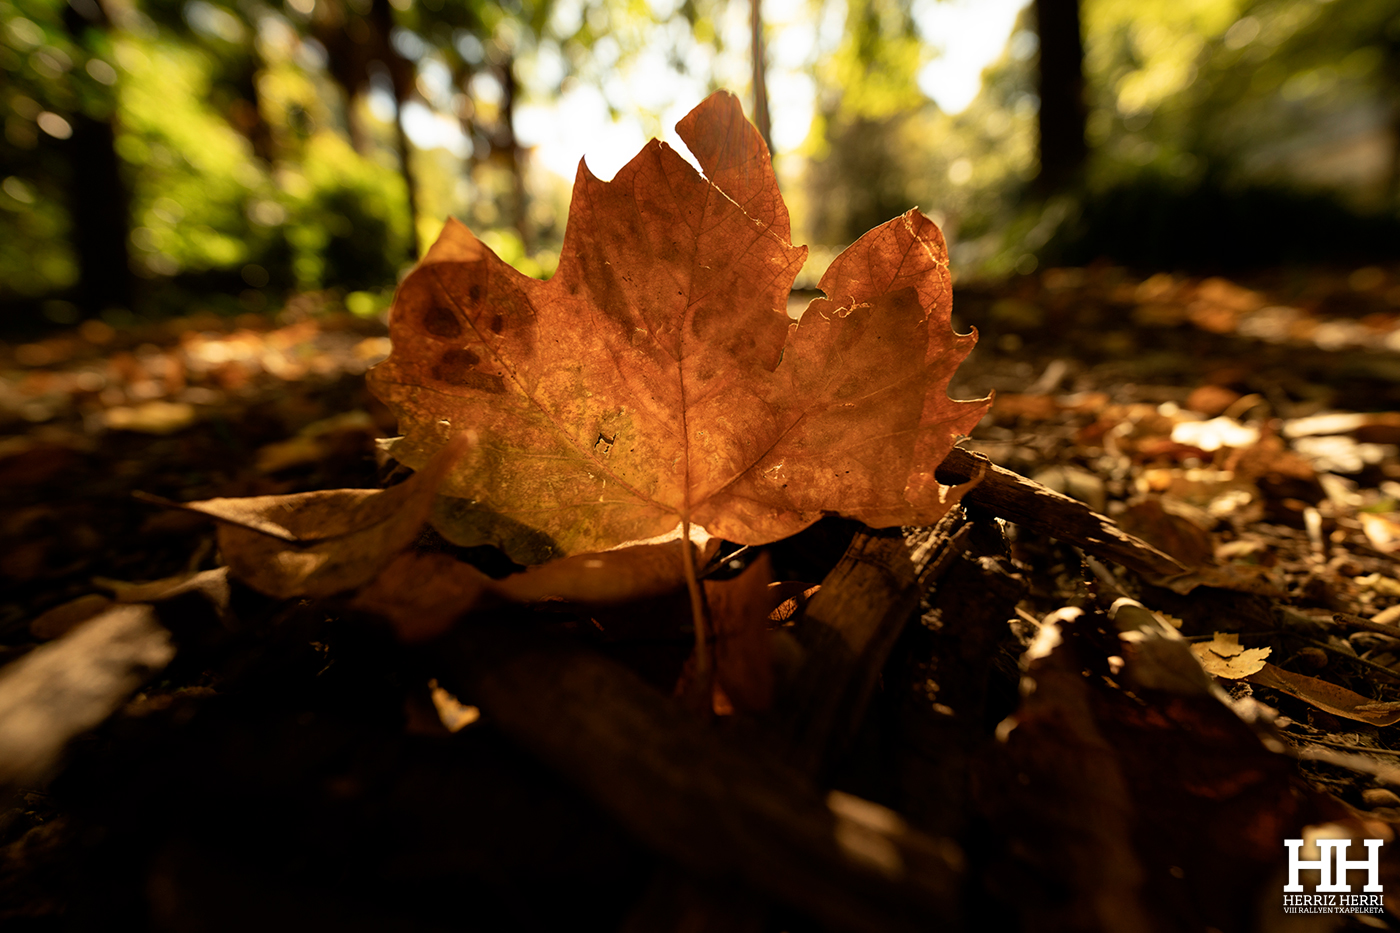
<point>292,767</point>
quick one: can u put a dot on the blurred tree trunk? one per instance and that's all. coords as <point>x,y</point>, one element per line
<point>101,211</point>
<point>354,44</point>
<point>245,113</point>
<point>514,154</point>
<point>404,76</point>
<point>1391,69</point>
<point>410,181</point>
<point>99,203</point>
<point>1062,112</point>
<point>760,81</point>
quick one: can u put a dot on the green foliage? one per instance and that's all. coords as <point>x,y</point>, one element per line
<point>878,61</point>
<point>1222,128</point>
<point>967,170</point>
<point>1244,91</point>
<point>860,170</point>
<point>202,201</point>
<point>194,184</point>
<point>34,253</point>
<point>255,166</point>
<point>348,219</point>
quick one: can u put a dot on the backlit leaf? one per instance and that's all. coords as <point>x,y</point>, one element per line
<point>1223,656</point>
<point>657,377</point>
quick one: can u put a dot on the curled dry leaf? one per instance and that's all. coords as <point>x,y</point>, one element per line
<point>790,597</point>
<point>1223,656</point>
<point>657,379</point>
<point>1169,531</point>
<point>1328,697</point>
<point>1157,658</point>
<point>327,542</point>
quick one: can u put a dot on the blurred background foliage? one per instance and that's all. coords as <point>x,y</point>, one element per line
<point>164,156</point>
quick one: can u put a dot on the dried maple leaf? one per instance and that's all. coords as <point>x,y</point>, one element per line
<point>1224,656</point>
<point>656,380</point>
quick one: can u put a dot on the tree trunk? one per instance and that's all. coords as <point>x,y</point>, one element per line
<point>100,210</point>
<point>403,74</point>
<point>1392,87</point>
<point>406,170</point>
<point>245,113</point>
<point>760,83</point>
<point>520,202</point>
<point>1062,110</point>
<point>99,203</point>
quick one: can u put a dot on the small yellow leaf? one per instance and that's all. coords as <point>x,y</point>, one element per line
<point>1223,656</point>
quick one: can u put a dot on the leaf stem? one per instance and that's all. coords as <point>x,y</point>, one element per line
<point>698,612</point>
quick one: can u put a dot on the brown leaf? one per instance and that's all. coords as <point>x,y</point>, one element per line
<point>1169,531</point>
<point>1072,800</point>
<point>657,378</point>
<point>739,611</point>
<point>212,583</point>
<point>1328,697</point>
<point>604,578</point>
<point>788,606</point>
<point>64,617</point>
<point>423,595</point>
<point>1130,809</point>
<point>1383,531</point>
<point>322,543</point>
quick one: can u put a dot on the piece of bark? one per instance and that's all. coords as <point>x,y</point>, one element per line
<point>845,634</point>
<point>68,686</point>
<point>713,807</point>
<point>1364,624</point>
<point>847,631</point>
<point>1017,499</point>
<point>937,703</point>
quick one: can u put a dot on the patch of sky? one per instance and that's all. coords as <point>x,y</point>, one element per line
<point>970,35</point>
<point>428,129</point>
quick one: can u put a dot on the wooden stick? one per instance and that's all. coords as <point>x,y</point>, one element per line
<point>1017,499</point>
<point>847,631</point>
<point>1365,624</point>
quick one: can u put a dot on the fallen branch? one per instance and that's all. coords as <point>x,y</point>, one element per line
<point>848,629</point>
<point>1017,499</point>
